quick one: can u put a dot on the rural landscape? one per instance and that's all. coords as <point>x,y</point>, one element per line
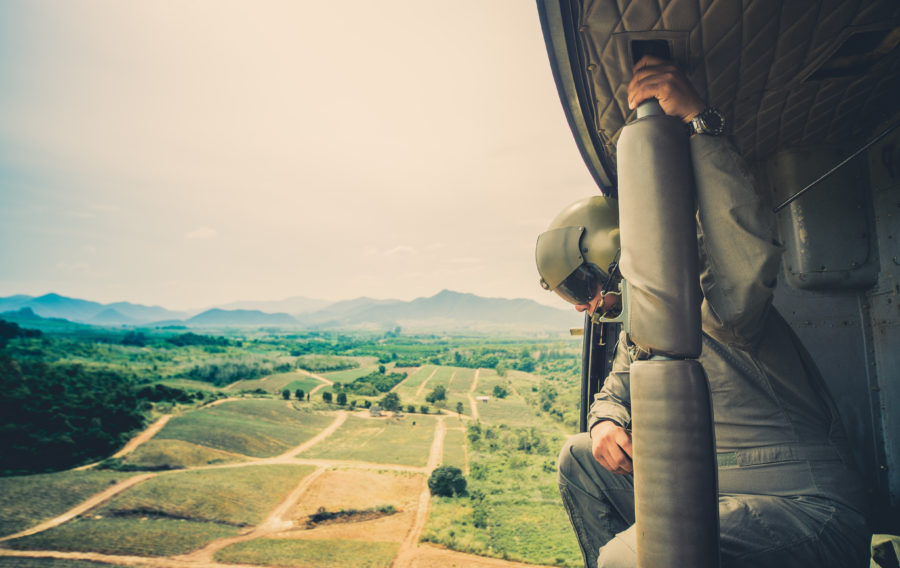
<point>173,445</point>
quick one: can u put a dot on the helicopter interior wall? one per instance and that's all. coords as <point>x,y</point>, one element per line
<point>853,334</point>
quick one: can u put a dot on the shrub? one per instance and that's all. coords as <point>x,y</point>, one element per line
<point>439,393</point>
<point>342,398</point>
<point>447,481</point>
<point>390,401</point>
<point>326,396</point>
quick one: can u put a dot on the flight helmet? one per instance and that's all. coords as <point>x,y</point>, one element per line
<point>578,253</point>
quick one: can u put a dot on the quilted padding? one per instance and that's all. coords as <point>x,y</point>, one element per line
<point>753,59</point>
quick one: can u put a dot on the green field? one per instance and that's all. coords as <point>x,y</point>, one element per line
<point>144,536</point>
<point>238,496</point>
<point>350,375</point>
<point>405,441</point>
<point>20,562</point>
<point>304,383</point>
<point>461,381</point>
<point>276,383</point>
<point>417,377</point>
<point>455,446</point>
<point>258,428</point>
<point>455,380</point>
<point>512,410</point>
<point>190,385</point>
<point>314,553</point>
<point>160,453</point>
<point>30,499</point>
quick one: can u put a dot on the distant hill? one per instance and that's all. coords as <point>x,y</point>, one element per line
<point>294,305</point>
<point>25,317</point>
<point>217,317</point>
<point>446,310</point>
<point>85,311</point>
<point>344,311</point>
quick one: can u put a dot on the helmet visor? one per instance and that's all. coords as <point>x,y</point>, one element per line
<point>582,285</point>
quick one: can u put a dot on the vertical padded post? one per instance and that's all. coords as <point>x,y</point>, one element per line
<point>675,474</point>
<point>659,236</point>
<point>676,501</point>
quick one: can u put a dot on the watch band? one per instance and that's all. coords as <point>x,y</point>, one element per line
<point>709,121</point>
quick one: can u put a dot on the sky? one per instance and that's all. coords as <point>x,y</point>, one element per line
<point>194,153</point>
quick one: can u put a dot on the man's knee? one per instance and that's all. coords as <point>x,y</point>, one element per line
<point>573,454</point>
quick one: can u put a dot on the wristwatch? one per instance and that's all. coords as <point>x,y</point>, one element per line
<point>709,121</point>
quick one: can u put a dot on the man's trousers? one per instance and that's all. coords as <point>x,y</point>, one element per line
<point>756,529</point>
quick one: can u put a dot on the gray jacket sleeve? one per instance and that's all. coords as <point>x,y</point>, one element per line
<point>739,251</point>
<point>613,402</point>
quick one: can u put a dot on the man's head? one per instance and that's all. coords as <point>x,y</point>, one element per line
<point>577,256</point>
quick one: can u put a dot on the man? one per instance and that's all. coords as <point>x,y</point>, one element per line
<point>787,493</point>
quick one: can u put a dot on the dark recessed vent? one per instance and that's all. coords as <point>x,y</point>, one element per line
<point>859,52</point>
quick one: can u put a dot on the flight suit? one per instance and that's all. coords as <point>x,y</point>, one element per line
<point>788,494</point>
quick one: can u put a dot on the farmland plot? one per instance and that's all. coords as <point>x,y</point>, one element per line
<point>405,441</point>
<point>259,428</point>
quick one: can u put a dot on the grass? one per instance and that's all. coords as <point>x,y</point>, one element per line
<point>350,375</point>
<point>405,441</point>
<point>189,384</point>
<point>461,381</point>
<point>450,524</point>
<point>28,500</point>
<point>144,537</point>
<point>259,428</point>
<point>176,454</point>
<point>515,490</point>
<point>313,553</point>
<point>418,377</point>
<point>454,447</point>
<point>512,410</point>
<point>304,382</point>
<point>273,383</point>
<point>237,496</point>
<point>22,562</point>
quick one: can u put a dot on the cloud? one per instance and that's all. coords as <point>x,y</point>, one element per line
<point>202,233</point>
<point>401,250</point>
<point>464,260</point>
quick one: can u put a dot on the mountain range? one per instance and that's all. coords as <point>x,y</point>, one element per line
<point>446,310</point>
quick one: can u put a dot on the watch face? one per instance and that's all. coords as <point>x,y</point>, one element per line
<point>711,122</point>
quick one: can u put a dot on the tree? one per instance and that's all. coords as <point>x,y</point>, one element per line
<point>286,394</point>
<point>499,392</point>
<point>424,409</point>
<point>342,398</point>
<point>447,481</point>
<point>390,401</point>
<point>299,394</point>
<point>410,408</point>
<point>459,408</point>
<point>381,369</point>
<point>439,393</point>
<point>326,396</point>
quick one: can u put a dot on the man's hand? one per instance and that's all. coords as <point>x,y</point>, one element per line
<point>654,77</point>
<point>611,446</point>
